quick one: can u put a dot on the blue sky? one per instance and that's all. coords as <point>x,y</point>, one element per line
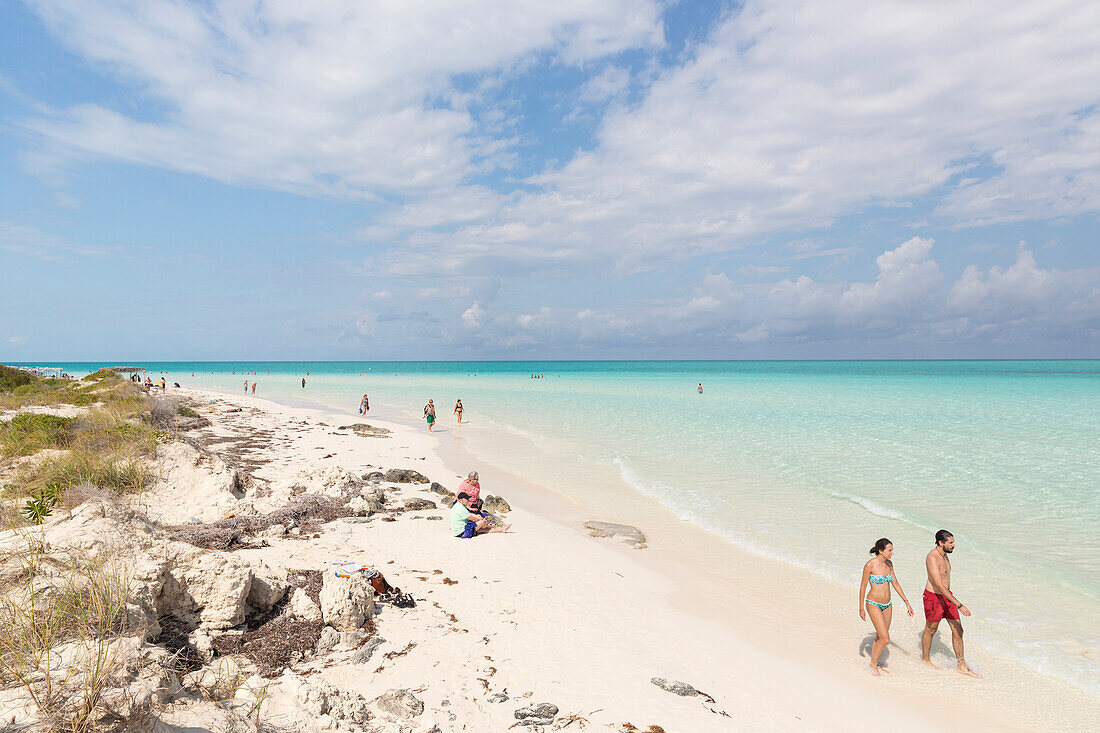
<point>597,179</point>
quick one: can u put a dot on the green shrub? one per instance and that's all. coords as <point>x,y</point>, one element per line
<point>185,411</point>
<point>29,433</point>
<point>101,375</point>
<point>10,378</point>
<point>41,505</point>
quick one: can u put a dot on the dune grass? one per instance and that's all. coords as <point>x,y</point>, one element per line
<point>59,620</point>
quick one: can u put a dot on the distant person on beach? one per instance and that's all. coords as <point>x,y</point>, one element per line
<point>429,415</point>
<point>940,603</point>
<point>465,524</point>
<point>879,572</point>
<point>253,388</point>
<point>458,410</point>
<point>303,382</point>
<point>246,386</point>
<point>364,405</point>
<point>700,388</point>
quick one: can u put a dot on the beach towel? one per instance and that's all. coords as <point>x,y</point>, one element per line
<point>346,569</point>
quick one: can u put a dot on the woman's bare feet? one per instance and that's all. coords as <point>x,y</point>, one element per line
<point>874,669</point>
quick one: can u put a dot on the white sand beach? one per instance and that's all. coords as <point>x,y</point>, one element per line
<point>545,613</point>
<point>549,613</point>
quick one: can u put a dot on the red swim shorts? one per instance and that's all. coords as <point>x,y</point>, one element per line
<point>937,608</point>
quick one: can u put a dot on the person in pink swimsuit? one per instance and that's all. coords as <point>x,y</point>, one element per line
<point>473,488</point>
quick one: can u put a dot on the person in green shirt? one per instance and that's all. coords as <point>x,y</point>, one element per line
<point>466,524</point>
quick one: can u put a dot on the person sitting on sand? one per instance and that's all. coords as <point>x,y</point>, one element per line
<point>465,524</point>
<point>879,571</point>
<point>940,603</point>
<point>472,487</point>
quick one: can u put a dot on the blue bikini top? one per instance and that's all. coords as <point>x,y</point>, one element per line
<point>880,579</point>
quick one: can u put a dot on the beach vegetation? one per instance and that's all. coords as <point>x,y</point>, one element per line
<point>41,504</point>
<point>10,378</point>
<point>185,411</point>
<point>19,389</point>
<point>28,433</point>
<point>61,620</point>
<point>117,471</point>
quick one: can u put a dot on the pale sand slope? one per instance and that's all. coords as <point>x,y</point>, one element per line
<point>549,613</point>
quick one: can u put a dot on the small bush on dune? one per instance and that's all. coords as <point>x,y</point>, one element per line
<point>185,411</point>
<point>29,433</point>
<point>10,378</point>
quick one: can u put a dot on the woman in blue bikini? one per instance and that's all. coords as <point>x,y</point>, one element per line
<point>879,572</point>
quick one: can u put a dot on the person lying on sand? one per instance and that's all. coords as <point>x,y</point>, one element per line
<point>465,524</point>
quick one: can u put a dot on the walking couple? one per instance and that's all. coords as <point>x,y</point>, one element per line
<point>939,602</point>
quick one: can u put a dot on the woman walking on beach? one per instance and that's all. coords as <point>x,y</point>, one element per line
<point>879,572</point>
<point>458,410</point>
<point>429,415</point>
<point>364,406</point>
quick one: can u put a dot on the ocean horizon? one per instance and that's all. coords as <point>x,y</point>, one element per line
<point>806,462</point>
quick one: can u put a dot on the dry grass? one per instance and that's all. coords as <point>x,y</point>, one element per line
<point>59,620</point>
<point>117,472</point>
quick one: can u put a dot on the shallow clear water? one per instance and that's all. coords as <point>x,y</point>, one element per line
<point>807,462</point>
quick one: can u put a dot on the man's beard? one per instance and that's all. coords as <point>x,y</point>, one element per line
<point>949,551</point>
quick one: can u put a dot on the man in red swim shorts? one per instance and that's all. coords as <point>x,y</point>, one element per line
<point>940,603</point>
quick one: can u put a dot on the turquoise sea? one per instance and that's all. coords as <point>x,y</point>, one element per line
<point>806,462</point>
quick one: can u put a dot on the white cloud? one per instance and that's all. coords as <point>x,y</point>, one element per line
<point>1026,293</point>
<point>792,114</point>
<point>342,99</point>
<point>28,240</point>
<point>611,83</point>
<point>472,316</point>
<point>907,302</point>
